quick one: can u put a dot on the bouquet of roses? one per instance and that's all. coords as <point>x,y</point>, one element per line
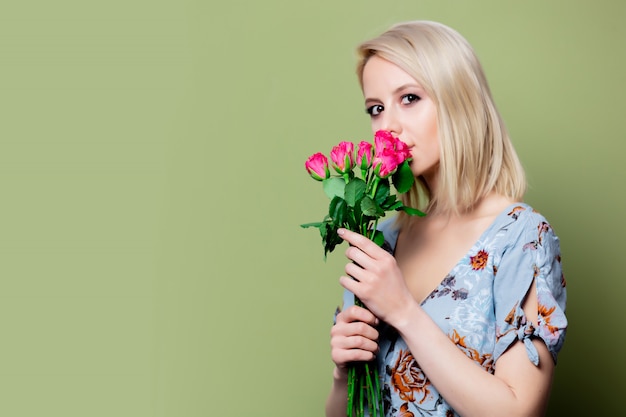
<point>357,203</point>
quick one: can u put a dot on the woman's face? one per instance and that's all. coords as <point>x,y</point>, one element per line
<point>397,103</point>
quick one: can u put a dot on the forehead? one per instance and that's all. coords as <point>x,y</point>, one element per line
<point>379,73</point>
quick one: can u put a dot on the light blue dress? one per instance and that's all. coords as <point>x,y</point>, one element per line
<point>479,306</point>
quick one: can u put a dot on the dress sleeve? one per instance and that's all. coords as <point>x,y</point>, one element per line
<point>533,254</point>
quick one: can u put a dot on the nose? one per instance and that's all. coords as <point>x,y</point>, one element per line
<point>391,123</point>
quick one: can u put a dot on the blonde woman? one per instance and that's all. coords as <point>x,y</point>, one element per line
<point>466,315</point>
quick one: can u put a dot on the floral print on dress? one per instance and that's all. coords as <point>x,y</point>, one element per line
<point>478,304</point>
<point>483,360</point>
<point>408,380</point>
<point>479,261</point>
<point>447,287</point>
<point>514,214</point>
<point>404,411</point>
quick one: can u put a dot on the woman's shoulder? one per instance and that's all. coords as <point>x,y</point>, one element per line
<point>524,216</point>
<point>522,226</point>
<point>520,223</point>
<point>506,210</point>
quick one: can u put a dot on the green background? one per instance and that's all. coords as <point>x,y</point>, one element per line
<point>152,184</point>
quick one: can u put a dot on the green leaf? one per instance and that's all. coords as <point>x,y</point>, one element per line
<point>323,230</point>
<point>351,220</point>
<point>403,178</point>
<point>331,239</point>
<point>413,211</point>
<point>337,211</point>
<point>389,201</point>
<point>357,214</point>
<point>334,187</point>
<point>378,238</point>
<point>395,206</point>
<point>314,224</point>
<point>382,192</point>
<point>370,208</point>
<point>354,191</point>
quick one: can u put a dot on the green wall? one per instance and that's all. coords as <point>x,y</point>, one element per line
<point>152,183</point>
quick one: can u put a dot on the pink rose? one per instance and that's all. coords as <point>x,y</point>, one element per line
<point>383,135</point>
<point>342,157</point>
<point>317,166</point>
<point>389,153</point>
<point>364,155</point>
<point>385,163</point>
<point>402,151</point>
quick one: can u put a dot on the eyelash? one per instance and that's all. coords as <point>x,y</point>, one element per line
<point>370,110</point>
<point>376,109</point>
<point>412,97</point>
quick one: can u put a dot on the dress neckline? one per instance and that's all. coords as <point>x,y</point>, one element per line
<point>498,221</point>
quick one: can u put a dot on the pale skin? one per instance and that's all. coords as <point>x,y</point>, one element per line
<point>393,287</point>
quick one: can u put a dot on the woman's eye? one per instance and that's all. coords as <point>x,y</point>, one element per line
<point>409,98</point>
<point>374,110</point>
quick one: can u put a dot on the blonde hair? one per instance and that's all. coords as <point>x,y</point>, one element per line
<point>476,153</point>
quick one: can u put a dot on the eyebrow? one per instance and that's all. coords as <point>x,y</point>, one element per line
<point>370,100</point>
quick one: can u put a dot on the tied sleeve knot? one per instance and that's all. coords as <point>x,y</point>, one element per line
<point>525,333</point>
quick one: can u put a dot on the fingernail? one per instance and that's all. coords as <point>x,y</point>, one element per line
<point>340,231</point>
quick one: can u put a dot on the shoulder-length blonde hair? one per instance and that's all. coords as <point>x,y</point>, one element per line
<point>476,153</point>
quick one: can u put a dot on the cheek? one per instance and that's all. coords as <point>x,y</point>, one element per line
<point>434,135</point>
<point>432,130</point>
<point>430,138</point>
<point>433,124</point>
<point>435,143</point>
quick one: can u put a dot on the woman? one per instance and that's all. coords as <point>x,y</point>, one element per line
<point>466,316</point>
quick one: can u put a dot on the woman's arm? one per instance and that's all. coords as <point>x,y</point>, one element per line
<point>518,387</point>
<point>337,400</point>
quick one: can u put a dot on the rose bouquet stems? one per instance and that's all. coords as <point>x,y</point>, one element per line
<point>357,202</point>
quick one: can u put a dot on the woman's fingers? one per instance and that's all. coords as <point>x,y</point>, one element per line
<point>359,258</point>
<point>341,356</point>
<point>366,245</point>
<point>356,322</point>
<point>366,255</point>
<point>356,329</point>
<point>353,337</point>
<point>354,342</point>
<point>357,314</point>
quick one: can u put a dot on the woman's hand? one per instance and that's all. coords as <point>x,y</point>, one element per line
<point>353,337</point>
<point>375,278</point>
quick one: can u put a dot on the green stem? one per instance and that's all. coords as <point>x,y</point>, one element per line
<point>361,407</point>
<point>374,228</point>
<point>374,186</point>
<point>371,397</point>
<point>351,377</point>
<point>379,395</point>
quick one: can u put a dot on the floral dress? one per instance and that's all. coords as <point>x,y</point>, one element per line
<point>479,306</point>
